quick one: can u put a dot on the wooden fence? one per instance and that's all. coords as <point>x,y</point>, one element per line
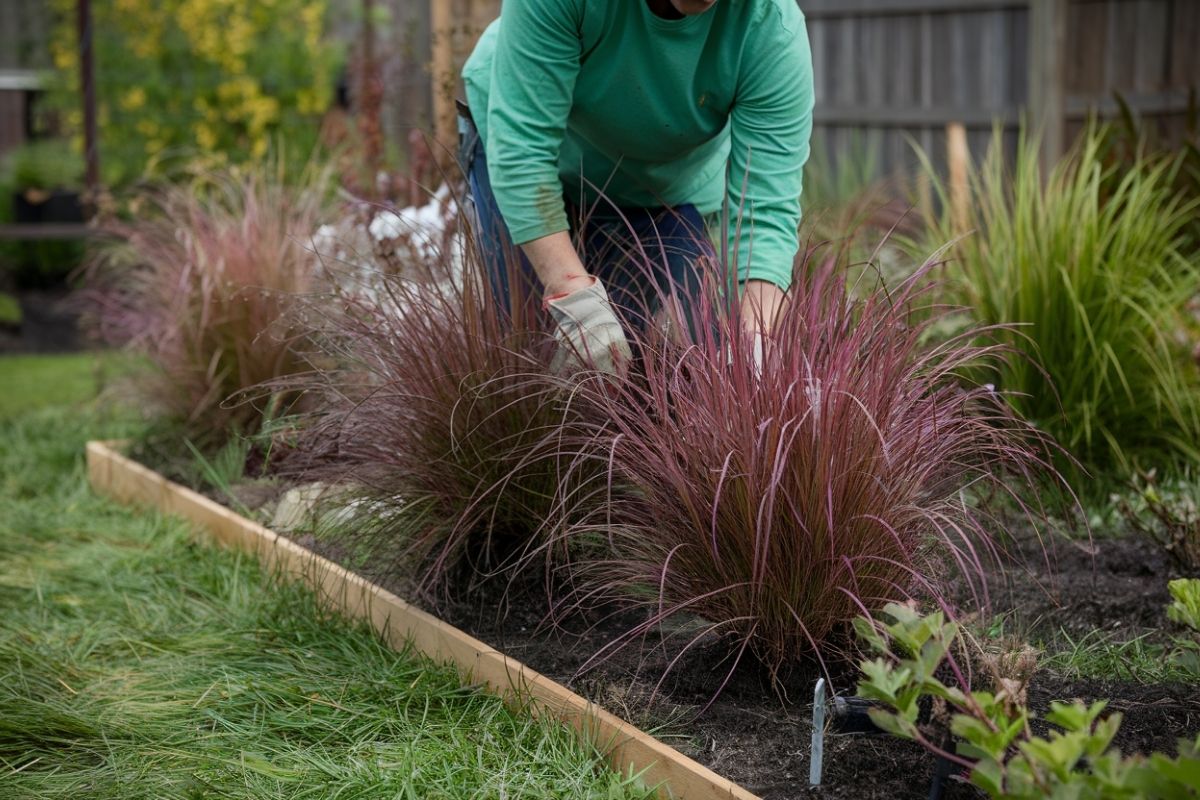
<point>894,72</point>
<point>888,72</point>
<point>24,28</point>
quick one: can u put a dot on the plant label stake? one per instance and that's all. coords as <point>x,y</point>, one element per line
<point>817,754</point>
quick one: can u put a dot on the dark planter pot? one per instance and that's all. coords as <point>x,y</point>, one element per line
<point>60,206</point>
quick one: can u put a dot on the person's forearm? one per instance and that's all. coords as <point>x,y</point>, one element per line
<point>762,305</point>
<point>557,264</point>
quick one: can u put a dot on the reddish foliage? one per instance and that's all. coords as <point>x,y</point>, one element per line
<point>202,282</point>
<point>777,501</point>
<point>438,406</point>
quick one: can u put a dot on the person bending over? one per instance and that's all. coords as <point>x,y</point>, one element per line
<point>629,123</point>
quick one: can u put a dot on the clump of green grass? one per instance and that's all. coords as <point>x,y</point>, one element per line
<point>1087,270</point>
<point>1102,654</point>
<point>135,663</point>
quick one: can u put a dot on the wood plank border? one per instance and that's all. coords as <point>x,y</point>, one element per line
<point>626,748</point>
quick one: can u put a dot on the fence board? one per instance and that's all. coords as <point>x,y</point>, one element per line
<point>900,71</point>
<point>975,63</point>
<point>1185,53</point>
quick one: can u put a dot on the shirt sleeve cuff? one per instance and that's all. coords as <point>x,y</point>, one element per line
<point>772,272</point>
<point>527,232</point>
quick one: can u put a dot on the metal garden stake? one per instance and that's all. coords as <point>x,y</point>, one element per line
<point>816,756</point>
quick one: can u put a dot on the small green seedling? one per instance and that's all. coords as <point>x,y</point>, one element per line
<point>994,739</point>
<point>1168,513</point>
<point>1186,606</point>
<point>1185,609</point>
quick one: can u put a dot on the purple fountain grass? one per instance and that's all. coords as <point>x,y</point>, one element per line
<point>202,282</point>
<point>776,500</point>
<point>441,417</point>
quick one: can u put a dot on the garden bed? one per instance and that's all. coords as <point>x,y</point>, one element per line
<point>755,733</point>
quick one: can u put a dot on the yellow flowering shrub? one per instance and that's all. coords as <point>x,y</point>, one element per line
<point>198,78</point>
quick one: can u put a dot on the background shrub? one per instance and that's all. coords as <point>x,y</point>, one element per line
<point>252,69</point>
<point>1133,143</point>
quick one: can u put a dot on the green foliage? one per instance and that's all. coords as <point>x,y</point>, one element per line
<point>1148,658</point>
<point>1131,142</point>
<point>180,78</point>
<point>1185,607</point>
<point>1007,760</point>
<point>10,311</point>
<point>1087,267</point>
<point>225,468</point>
<point>1167,512</point>
<point>851,205</point>
<point>41,166</point>
<point>831,183</point>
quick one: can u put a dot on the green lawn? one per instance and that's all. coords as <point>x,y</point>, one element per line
<point>135,663</point>
<point>30,382</point>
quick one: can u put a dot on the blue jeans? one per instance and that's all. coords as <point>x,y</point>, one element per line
<point>642,255</point>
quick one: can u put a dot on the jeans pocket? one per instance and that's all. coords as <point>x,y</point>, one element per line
<point>468,143</point>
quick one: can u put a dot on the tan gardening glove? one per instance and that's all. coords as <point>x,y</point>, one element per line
<point>589,333</point>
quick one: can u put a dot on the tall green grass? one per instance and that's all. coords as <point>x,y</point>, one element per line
<point>136,664</point>
<point>1090,273</point>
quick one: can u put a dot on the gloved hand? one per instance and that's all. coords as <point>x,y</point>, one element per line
<point>759,349</point>
<point>589,333</point>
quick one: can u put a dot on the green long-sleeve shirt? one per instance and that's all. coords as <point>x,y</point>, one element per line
<point>581,96</point>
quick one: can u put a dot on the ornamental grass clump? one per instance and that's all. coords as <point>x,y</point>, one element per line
<point>203,283</point>
<point>439,419</point>
<point>771,500</point>
<point>1085,268</point>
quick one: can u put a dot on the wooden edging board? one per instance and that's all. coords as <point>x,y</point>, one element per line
<point>626,748</point>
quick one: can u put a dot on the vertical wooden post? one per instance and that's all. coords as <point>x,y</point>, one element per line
<point>958,160</point>
<point>1047,76</point>
<point>481,14</point>
<point>371,102</point>
<point>456,26</point>
<point>442,73</point>
<point>87,82</point>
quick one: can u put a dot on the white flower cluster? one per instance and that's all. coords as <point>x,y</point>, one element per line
<point>411,242</point>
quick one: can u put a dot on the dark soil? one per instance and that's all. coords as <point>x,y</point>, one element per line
<point>1118,585</point>
<point>49,324</point>
<point>755,737</point>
